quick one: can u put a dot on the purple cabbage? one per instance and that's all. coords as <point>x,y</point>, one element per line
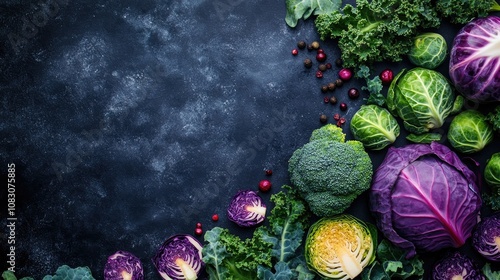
<point>123,265</point>
<point>179,257</point>
<point>456,266</point>
<point>475,60</point>
<point>246,209</point>
<point>486,237</point>
<point>424,198</point>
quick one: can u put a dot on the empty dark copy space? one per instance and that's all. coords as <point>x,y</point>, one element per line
<point>131,121</point>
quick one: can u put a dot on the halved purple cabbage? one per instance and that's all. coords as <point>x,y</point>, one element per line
<point>179,257</point>
<point>456,265</point>
<point>246,209</point>
<point>123,265</point>
<point>486,237</point>
<point>424,198</point>
<point>475,60</point>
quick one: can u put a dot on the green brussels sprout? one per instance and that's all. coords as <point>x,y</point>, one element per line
<point>429,50</point>
<point>492,171</point>
<point>422,98</point>
<point>469,132</point>
<point>374,126</point>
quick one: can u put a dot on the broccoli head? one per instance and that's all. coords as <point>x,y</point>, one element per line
<point>329,172</point>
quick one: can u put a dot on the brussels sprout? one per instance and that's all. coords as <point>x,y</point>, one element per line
<point>339,247</point>
<point>179,257</point>
<point>123,265</point>
<point>486,237</point>
<point>422,98</point>
<point>469,132</point>
<point>492,170</point>
<point>374,126</point>
<point>246,209</point>
<point>429,50</point>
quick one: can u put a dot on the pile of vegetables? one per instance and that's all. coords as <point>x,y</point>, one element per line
<point>423,197</point>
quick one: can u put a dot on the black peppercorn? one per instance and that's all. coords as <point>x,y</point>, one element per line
<point>308,63</point>
<point>301,45</point>
<point>324,88</point>
<point>323,118</point>
<point>331,86</point>
<point>333,100</point>
<point>322,67</point>
<point>339,83</point>
<point>338,62</point>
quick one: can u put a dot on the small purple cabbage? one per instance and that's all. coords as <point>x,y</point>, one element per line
<point>475,60</point>
<point>123,265</point>
<point>486,237</point>
<point>424,198</point>
<point>246,209</point>
<point>179,257</point>
<point>456,266</point>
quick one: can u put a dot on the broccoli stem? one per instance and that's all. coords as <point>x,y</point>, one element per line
<point>495,7</point>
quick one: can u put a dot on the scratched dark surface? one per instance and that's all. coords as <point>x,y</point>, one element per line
<point>131,121</point>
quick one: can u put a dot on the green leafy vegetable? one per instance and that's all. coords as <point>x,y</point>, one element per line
<point>298,9</point>
<point>377,30</point>
<point>463,11</point>
<point>275,246</point>
<point>228,257</point>
<point>373,86</point>
<point>490,274</point>
<point>329,172</point>
<point>469,132</point>
<point>429,50</point>
<point>64,272</point>
<point>424,138</point>
<point>374,126</point>
<point>493,118</point>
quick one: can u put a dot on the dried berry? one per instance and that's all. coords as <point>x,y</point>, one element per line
<point>353,93</point>
<point>215,217</point>
<point>326,99</point>
<point>331,86</point>
<point>308,63</point>
<point>328,65</point>
<point>324,88</point>
<point>323,118</point>
<point>295,52</point>
<point>269,172</point>
<point>301,45</point>
<point>343,106</point>
<point>322,67</point>
<point>319,74</point>
<point>265,185</point>
<point>336,116</point>
<point>333,100</point>
<point>339,83</point>
<point>315,45</point>
<point>321,57</point>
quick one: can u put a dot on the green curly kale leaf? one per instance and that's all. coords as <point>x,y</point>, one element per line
<point>493,118</point>
<point>463,11</point>
<point>298,9</point>
<point>378,30</point>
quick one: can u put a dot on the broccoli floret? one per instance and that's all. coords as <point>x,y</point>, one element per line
<point>330,173</point>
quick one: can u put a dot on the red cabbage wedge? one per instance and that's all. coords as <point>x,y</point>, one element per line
<point>424,198</point>
<point>475,60</point>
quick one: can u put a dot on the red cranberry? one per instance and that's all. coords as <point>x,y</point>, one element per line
<point>328,65</point>
<point>345,74</point>
<point>320,56</point>
<point>336,117</point>
<point>386,76</point>
<point>198,231</point>
<point>353,93</point>
<point>319,74</point>
<point>269,172</point>
<point>343,106</point>
<point>215,217</point>
<point>295,52</point>
<point>326,99</point>
<point>320,51</point>
<point>265,185</point>
<point>198,225</point>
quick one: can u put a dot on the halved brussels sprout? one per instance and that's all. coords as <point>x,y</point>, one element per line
<point>340,247</point>
<point>374,126</point>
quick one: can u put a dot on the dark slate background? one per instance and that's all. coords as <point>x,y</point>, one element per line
<point>131,121</point>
